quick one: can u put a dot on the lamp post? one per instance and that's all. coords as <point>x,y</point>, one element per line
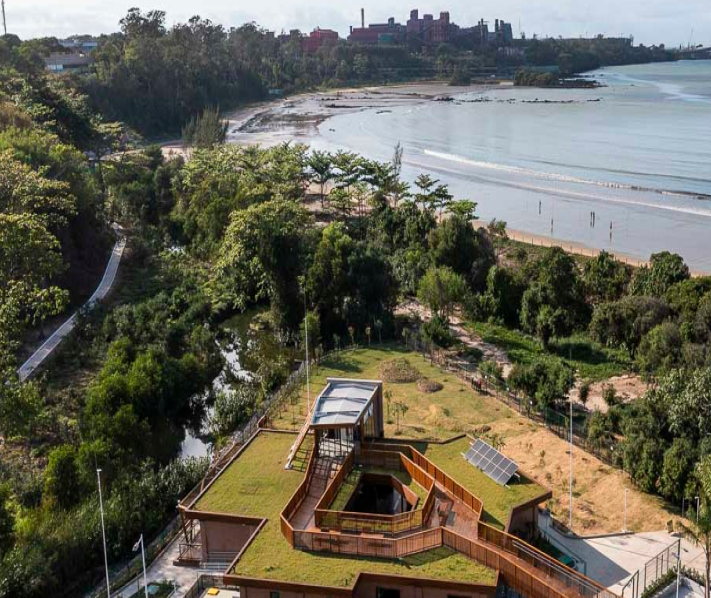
<point>678,568</point>
<point>624,525</point>
<point>570,521</point>
<point>143,557</point>
<point>306,329</point>
<point>103,534</point>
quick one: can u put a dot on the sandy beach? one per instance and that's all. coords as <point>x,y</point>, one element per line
<point>304,118</point>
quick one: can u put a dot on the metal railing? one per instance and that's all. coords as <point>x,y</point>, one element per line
<point>653,569</point>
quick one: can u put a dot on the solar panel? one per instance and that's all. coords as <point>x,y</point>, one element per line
<point>494,464</point>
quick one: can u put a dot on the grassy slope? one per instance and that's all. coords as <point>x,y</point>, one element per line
<point>593,361</point>
<point>257,485</point>
<point>453,410</point>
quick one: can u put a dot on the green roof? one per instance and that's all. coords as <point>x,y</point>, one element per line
<point>257,485</point>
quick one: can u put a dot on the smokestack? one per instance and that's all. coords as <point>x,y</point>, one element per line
<point>4,22</point>
<point>362,18</point>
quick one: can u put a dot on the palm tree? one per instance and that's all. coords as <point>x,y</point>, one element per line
<point>321,165</point>
<point>699,531</point>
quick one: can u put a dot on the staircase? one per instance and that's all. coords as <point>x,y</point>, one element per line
<point>324,470</point>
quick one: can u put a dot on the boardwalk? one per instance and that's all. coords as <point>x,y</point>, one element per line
<point>40,355</point>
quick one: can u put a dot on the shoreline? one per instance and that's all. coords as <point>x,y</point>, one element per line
<point>298,118</point>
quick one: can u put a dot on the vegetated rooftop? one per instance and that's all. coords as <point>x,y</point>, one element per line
<point>257,485</point>
<point>454,410</point>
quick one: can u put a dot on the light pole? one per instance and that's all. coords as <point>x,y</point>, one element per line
<point>308,382</point>
<point>570,521</point>
<point>678,568</point>
<point>103,534</point>
<point>143,556</point>
<point>624,525</point>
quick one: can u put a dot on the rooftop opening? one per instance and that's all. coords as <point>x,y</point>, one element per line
<point>380,495</point>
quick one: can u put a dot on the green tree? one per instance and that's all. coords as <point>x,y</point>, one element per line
<point>699,532</point>
<point>262,256</point>
<point>605,278</point>
<point>678,465</point>
<point>624,323</point>
<point>7,522</point>
<point>321,167</point>
<point>205,130</point>
<point>664,271</point>
<point>440,290</point>
<point>546,382</point>
<point>456,245</point>
<point>61,477</point>
<point>660,349</point>
<point>554,303</point>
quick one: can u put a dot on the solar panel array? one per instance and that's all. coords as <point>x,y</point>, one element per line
<point>497,466</point>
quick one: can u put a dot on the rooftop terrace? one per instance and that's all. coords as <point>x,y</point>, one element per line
<point>257,485</point>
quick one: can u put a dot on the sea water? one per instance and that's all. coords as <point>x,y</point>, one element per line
<point>625,167</point>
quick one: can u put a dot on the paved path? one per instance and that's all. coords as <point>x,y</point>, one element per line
<point>163,569</point>
<point>612,560</point>
<point>48,347</point>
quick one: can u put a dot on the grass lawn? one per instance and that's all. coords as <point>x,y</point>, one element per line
<point>257,485</point>
<point>440,415</point>
<point>592,360</point>
<point>498,500</point>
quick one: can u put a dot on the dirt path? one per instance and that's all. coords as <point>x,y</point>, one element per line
<point>490,352</point>
<point>627,388</point>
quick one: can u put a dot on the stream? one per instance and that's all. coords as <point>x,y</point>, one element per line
<point>243,344</point>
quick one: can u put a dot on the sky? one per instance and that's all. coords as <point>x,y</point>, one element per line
<point>650,21</point>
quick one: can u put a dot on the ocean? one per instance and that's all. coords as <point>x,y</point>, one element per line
<point>626,167</point>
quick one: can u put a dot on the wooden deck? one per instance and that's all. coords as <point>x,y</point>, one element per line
<point>454,522</point>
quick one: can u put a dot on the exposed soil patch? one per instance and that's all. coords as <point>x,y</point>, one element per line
<point>399,371</point>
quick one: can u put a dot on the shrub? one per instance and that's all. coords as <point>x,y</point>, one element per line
<point>429,386</point>
<point>437,331</point>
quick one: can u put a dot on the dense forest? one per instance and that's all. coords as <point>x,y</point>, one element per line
<point>335,238</point>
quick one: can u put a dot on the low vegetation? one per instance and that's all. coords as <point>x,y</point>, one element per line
<point>257,485</point>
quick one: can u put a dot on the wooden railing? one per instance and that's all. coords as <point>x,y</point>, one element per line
<point>347,521</point>
<point>391,548</point>
<point>454,488</point>
<point>568,579</point>
<point>295,501</point>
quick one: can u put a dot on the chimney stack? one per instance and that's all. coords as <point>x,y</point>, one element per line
<point>362,18</point>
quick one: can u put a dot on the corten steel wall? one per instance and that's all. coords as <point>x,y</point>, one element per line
<point>219,537</point>
<point>457,490</point>
<point>364,587</point>
<point>368,522</point>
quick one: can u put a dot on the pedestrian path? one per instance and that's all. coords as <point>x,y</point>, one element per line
<point>40,355</point>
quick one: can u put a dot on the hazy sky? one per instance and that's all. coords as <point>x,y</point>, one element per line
<point>650,21</point>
